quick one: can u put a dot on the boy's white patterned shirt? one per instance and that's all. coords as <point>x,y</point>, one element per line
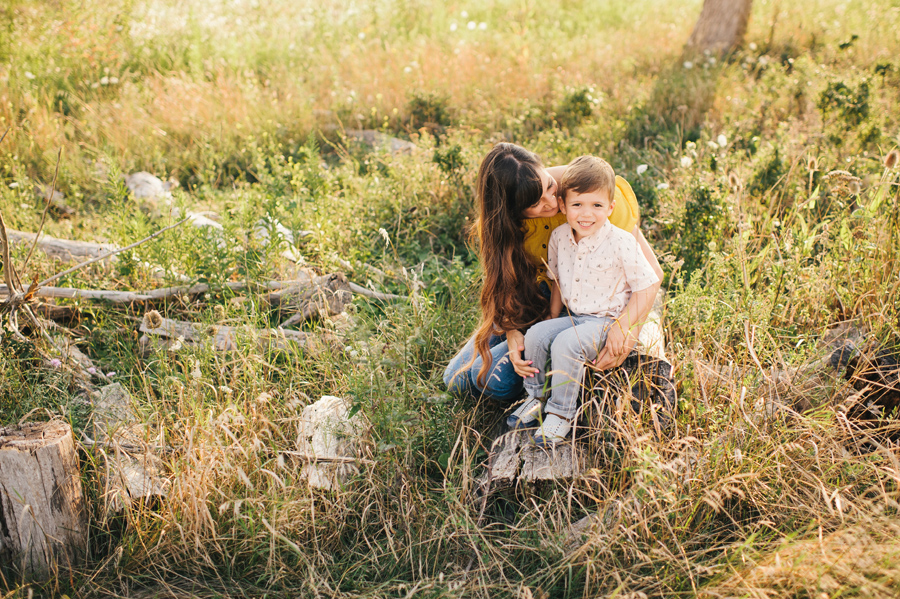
<point>598,274</point>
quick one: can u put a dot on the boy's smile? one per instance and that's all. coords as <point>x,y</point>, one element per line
<point>586,212</point>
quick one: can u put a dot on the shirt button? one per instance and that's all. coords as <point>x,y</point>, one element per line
<point>577,280</point>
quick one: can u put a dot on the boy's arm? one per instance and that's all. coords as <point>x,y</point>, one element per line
<point>556,303</point>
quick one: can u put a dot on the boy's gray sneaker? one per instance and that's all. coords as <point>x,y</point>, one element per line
<point>526,415</point>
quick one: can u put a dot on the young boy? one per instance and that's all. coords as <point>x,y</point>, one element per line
<point>601,275</point>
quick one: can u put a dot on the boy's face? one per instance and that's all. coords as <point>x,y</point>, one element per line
<point>586,212</point>
<point>547,206</point>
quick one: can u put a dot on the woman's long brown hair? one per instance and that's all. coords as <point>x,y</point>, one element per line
<point>508,182</point>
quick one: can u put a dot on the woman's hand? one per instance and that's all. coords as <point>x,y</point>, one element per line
<point>516,342</point>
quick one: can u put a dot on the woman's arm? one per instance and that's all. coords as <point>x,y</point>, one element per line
<point>557,171</point>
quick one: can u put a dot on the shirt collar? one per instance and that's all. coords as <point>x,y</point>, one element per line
<point>591,242</point>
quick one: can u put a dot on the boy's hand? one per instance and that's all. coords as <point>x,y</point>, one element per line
<point>515,340</point>
<point>617,347</point>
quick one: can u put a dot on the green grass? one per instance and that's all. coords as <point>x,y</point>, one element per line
<point>245,105</point>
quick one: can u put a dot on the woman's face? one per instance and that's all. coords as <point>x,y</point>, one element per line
<point>547,206</point>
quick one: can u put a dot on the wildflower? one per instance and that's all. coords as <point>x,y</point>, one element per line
<point>29,75</point>
<point>662,186</point>
<point>55,363</point>
<point>407,69</point>
<point>362,35</point>
<point>153,319</point>
<point>890,161</point>
<point>179,342</point>
<point>104,80</point>
<point>722,141</point>
<point>688,65</point>
<point>195,371</point>
<point>13,185</point>
<point>113,80</point>
<point>110,375</point>
<point>482,25</point>
<point>383,233</point>
<point>92,370</point>
<point>641,169</point>
<point>225,389</point>
<point>453,26</point>
<point>753,46</point>
<point>686,161</point>
<point>471,25</point>
<point>464,14</point>
<point>855,187</point>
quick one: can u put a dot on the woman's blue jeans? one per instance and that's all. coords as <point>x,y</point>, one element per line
<point>502,383</point>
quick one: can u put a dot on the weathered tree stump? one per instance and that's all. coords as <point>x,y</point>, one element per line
<point>42,512</point>
<point>329,441</point>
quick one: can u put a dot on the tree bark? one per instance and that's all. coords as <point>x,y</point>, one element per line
<point>42,512</point>
<point>721,26</point>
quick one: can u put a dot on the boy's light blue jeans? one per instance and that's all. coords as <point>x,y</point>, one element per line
<point>566,343</point>
<point>502,384</point>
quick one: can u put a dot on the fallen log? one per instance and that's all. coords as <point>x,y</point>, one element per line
<point>325,296</point>
<point>169,334</point>
<point>64,250</point>
<point>41,501</point>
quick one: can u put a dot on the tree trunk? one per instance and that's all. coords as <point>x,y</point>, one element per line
<point>721,26</point>
<point>42,512</point>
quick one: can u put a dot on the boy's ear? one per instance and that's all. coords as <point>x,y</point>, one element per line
<point>561,202</point>
<point>612,206</point>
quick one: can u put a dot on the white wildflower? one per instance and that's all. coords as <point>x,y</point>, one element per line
<point>752,46</point>
<point>383,233</point>
<point>662,186</point>
<point>29,75</point>
<point>464,14</point>
<point>722,141</point>
<point>472,25</point>
<point>104,80</point>
<point>641,169</point>
<point>686,161</point>
<point>453,26</point>
<point>482,25</point>
<point>13,185</point>
<point>688,65</point>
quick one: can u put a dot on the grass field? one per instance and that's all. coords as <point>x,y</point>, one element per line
<point>768,190</point>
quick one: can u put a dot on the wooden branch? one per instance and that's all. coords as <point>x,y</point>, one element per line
<point>282,292</point>
<point>63,249</point>
<point>385,297</point>
<point>118,251</point>
<point>46,209</point>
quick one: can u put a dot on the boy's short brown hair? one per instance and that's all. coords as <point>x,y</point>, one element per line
<point>588,174</point>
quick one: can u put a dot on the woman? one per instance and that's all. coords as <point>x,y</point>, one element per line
<point>517,210</point>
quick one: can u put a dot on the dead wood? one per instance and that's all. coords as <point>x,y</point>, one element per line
<point>62,249</point>
<point>514,459</point>
<point>168,334</point>
<point>41,500</point>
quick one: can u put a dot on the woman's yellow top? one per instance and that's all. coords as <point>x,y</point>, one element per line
<point>625,215</point>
